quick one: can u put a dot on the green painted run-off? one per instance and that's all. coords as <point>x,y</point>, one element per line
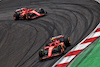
<point>90,57</point>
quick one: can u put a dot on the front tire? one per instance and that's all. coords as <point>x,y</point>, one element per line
<point>41,10</point>
<point>41,53</point>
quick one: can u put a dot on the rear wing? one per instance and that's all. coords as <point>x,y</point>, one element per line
<point>18,10</point>
<point>57,37</point>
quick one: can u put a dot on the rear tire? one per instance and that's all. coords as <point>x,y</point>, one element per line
<point>27,16</point>
<point>67,42</point>
<point>24,17</point>
<point>16,16</point>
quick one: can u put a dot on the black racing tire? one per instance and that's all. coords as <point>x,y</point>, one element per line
<point>67,42</point>
<point>41,53</point>
<point>41,10</point>
<point>24,17</point>
<point>59,48</point>
<point>27,16</point>
<point>16,16</point>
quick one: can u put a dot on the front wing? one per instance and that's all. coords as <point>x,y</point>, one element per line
<point>45,57</point>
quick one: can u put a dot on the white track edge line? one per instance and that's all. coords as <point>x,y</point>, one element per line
<point>77,44</point>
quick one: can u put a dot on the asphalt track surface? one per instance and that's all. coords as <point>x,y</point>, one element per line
<point>20,41</point>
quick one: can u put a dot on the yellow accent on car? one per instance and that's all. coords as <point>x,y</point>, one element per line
<point>68,38</point>
<point>50,50</point>
<point>51,39</point>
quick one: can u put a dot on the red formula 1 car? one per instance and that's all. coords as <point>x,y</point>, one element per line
<point>25,13</point>
<point>56,47</point>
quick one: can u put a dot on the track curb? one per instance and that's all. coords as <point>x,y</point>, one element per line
<point>68,57</point>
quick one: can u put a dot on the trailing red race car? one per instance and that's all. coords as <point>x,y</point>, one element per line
<point>56,47</point>
<point>25,13</point>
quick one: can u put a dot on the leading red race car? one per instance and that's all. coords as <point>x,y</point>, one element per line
<point>25,13</point>
<point>56,47</point>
